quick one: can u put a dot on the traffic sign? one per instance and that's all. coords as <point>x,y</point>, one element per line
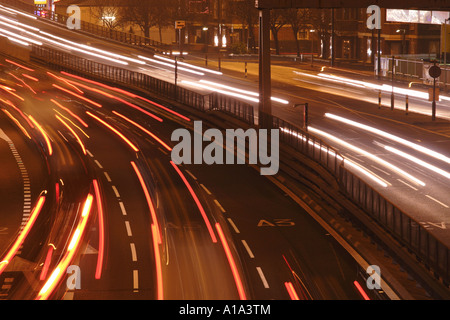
<point>432,97</point>
<point>180,24</point>
<point>434,71</point>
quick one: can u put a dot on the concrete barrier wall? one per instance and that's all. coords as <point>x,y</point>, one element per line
<point>14,50</point>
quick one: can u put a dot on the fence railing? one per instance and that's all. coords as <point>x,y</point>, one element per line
<point>412,70</point>
<point>95,29</point>
<point>409,232</point>
<point>92,69</point>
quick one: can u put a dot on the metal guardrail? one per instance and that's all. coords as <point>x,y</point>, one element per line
<point>406,230</point>
<point>409,232</point>
<point>95,29</point>
<point>412,70</point>
<point>91,69</point>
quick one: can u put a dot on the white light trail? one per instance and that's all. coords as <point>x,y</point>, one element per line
<point>171,65</point>
<point>19,23</point>
<point>347,161</point>
<point>15,40</point>
<point>15,35</point>
<point>389,136</point>
<point>86,47</point>
<point>254,94</point>
<point>13,11</point>
<point>368,155</point>
<point>229,93</point>
<point>188,65</point>
<point>364,84</point>
<point>418,161</point>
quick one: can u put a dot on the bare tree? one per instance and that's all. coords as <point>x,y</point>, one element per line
<point>139,12</point>
<point>164,15</point>
<point>299,20</point>
<point>321,20</point>
<point>246,12</point>
<point>108,12</point>
<point>277,21</point>
<point>151,13</point>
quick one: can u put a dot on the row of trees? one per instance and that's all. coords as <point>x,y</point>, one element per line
<point>299,20</point>
<point>144,13</point>
<point>162,13</point>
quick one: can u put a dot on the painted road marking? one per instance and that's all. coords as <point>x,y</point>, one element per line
<point>122,207</point>
<point>127,225</point>
<point>233,225</point>
<point>116,191</point>
<point>263,278</point>
<point>441,203</point>
<point>249,251</point>
<point>206,189</point>
<point>107,176</point>
<point>219,205</point>
<point>133,252</point>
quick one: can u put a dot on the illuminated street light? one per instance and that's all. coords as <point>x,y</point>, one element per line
<point>403,31</point>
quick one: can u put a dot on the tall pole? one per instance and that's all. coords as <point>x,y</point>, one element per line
<point>176,76</point>
<point>332,37</point>
<point>219,26</point>
<point>392,93</point>
<point>265,89</point>
<point>219,32</point>
<point>445,52</point>
<point>379,53</point>
<point>433,104</point>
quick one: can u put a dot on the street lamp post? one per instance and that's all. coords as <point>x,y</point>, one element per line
<point>403,31</point>
<point>445,51</point>
<point>392,92</point>
<point>312,46</point>
<point>305,114</point>
<point>176,75</point>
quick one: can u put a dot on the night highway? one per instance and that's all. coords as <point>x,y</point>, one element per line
<point>95,207</point>
<point>267,250</point>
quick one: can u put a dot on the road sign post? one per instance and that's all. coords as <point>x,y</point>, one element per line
<point>434,72</point>
<point>305,114</point>
<point>179,25</point>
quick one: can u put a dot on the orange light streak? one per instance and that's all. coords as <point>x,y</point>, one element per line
<point>73,132</point>
<point>132,95</point>
<point>58,272</point>
<point>291,291</point>
<point>47,140</point>
<point>24,83</point>
<point>159,280</point>
<point>65,81</point>
<point>114,130</point>
<point>30,77</point>
<point>19,111</point>
<point>101,231</point>
<point>70,112</point>
<point>23,234</point>
<point>17,122</point>
<point>46,265</point>
<point>118,99</point>
<point>234,270</point>
<point>78,96</point>
<point>149,200</point>
<point>18,65</point>
<point>197,201</point>
<point>361,290</point>
<point>145,130</point>
<point>12,93</point>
